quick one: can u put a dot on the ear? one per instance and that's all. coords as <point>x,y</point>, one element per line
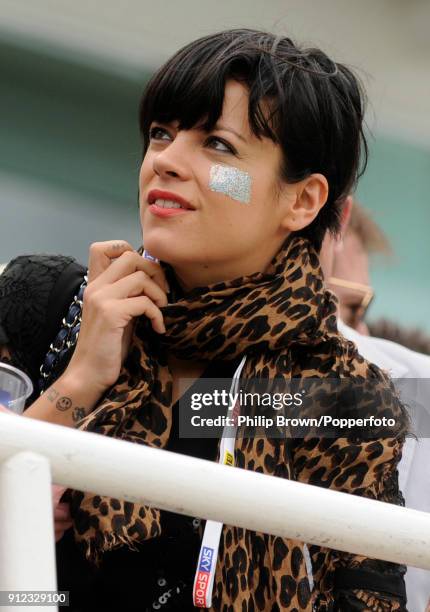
<point>310,196</point>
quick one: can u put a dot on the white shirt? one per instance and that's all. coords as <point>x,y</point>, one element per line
<point>414,468</point>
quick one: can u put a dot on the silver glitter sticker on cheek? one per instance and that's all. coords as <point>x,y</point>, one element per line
<point>231,181</point>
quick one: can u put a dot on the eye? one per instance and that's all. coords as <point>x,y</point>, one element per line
<point>219,144</point>
<point>159,133</point>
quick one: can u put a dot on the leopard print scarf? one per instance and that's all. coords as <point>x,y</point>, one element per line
<point>259,315</point>
<point>264,316</point>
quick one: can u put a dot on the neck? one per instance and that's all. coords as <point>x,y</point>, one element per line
<point>205,274</point>
<point>326,255</point>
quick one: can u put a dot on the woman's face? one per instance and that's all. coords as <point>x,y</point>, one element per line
<point>232,217</point>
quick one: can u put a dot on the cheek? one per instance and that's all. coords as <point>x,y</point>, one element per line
<point>232,182</point>
<point>144,178</point>
<point>143,173</point>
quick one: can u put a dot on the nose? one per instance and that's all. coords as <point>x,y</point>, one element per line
<point>172,160</point>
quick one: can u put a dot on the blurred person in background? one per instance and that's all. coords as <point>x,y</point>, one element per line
<point>350,278</point>
<point>251,144</point>
<point>345,262</point>
<point>412,338</point>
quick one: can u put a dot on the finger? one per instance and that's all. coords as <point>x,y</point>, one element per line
<point>156,273</point>
<point>57,493</point>
<point>101,256</point>
<point>126,339</point>
<point>138,283</point>
<point>127,263</point>
<point>60,532</point>
<point>62,514</point>
<point>63,524</point>
<point>59,520</point>
<point>142,305</point>
<point>64,505</point>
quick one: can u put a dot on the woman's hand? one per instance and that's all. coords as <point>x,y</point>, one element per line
<point>122,285</point>
<point>62,518</point>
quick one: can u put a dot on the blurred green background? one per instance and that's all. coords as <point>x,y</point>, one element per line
<point>396,190</point>
<point>70,149</point>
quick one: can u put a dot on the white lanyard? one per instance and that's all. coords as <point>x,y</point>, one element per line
<point>205,573</point>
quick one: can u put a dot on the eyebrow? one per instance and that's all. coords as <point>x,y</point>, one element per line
<point>225,128</point>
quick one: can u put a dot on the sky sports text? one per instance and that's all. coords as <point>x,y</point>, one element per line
<point>202,578</point>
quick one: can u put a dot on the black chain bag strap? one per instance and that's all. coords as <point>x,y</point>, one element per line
<point>61,349</point>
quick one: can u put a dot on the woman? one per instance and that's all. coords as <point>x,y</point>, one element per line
<point>250,146</point>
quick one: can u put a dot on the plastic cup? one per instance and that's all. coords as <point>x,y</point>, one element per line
<point>15,388</point>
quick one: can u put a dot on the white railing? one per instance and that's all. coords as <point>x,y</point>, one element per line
<point>27,548</point>
<point>102,465</point>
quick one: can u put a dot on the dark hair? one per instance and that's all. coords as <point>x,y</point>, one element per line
<point>413,338</point>
<point>316,106</point>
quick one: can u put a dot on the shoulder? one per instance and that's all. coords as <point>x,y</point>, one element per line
<point>364,387</point>
<point>416,364</point>
<point>400,361</point>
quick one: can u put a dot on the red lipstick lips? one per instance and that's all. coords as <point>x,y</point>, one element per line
<point>160,211</point>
